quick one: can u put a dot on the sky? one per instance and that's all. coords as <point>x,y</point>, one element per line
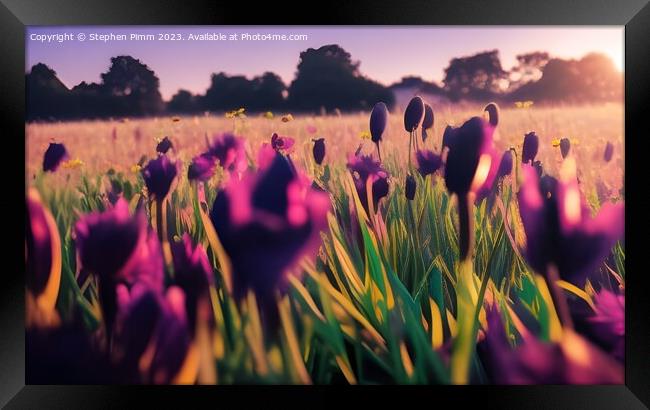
<point>79,53</point>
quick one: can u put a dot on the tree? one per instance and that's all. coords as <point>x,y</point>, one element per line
<point>133,85</point>
<point>477,77</point>
<point>183,102</point>
<point>269,92</point>
<point>328,78</point>
<point>529,68</point>
<point>46,96</point>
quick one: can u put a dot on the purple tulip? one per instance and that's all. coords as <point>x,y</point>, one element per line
<point>539,169</point>
<point>492,110</point>
<point>565,147</point>
<point>609,151</point>
<point>448,136</point>
<point>193,274</point>
<point>608,323</point>
<point>267,222</point>
<point>54,155</point>
<point>471,166</point>
<point>505,165</point>
<point>152,326</point>
<point>363,167</point>
<point>428,162</point>
<point>158,175</point>
<point>164,145</point>
<point>409,189</point>
<point>41,241</point>
<point>229,150</point>
<point>413,114</point>
<point>572,360</point>
<point>530,148</point>
<point>427,122</point>
<point>378,121</point>
<point>202,167</point>
<point>118,248</point>
<point>319,150</point>
<point>558,226</point>
<point>282,144</point>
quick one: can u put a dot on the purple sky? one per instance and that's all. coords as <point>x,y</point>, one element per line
<point>386,53</point>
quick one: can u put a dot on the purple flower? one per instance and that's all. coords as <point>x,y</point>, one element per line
<point>410,186</point>
<point>565,147</point>
<point>43,248</point>
<point>448,136</point>
<point>54,155</point>
<point>193,274</point>
<point>229,150</point>
<point>378,121</point>
<point>471,162</point>
<point>413,114</point>
<point>364,168</point>
<point>608,323</point>
<point>530,148</point>
<point>319,150</point>
<point>492,110</point>
<point>267,222</point>
<point>153,340</point>
<point>559,228</point>
<point>609,151</point>
<point>428,162</point>
<point>118,248</point>
<point>202,167</point>
<point>158,175</point>
<point>571,360</point>
<point>164,145</point>
<point>539,169</point>
<point>281,144</point>
<point>505,165</point>
<point>427,122</point>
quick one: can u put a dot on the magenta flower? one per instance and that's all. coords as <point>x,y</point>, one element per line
<point>202,167</point>
<point>118,248</point>
<point>156,324</point>
<point>40,240</point>
<point>559,228</point>
<point>319,150</point>
<point>572,360</point>
<point>229,150</point>
<point>530,148</point>
<point>492,110</point>
<point>364,168</point>
<point>54,155</point>
<point>607,325</point>
<point>164,145</point>
<point>428,162</point>
<point>267,222</point>
<point>158,175</point>
<point>282,144</point>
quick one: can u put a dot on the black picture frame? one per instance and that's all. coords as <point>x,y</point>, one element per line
<point>15,15</point>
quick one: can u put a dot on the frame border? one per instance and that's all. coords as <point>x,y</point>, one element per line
<point>633,14</point>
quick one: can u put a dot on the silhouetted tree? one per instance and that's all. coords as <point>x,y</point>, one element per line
<point>134,86</point>
<point>183,102</point>
<point>593,78</point>
<point>269,92</point>
<point>328,78</point>
<point>420,84</point>
<point>476,77</point>
<point>529,68</point>
<point>46,96</point>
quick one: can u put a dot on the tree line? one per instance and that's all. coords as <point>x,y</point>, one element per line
<point>327,78</point>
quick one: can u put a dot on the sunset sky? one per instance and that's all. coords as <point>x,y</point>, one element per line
<point>386,53</point>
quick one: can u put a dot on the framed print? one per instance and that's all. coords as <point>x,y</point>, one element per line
<point>231,198</point>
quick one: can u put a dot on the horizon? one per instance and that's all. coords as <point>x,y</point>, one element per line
<point>252,57</point>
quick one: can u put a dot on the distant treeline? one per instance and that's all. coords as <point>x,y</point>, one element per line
<point>326,79</point>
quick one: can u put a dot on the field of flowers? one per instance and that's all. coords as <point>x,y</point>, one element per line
<point>436,245</point>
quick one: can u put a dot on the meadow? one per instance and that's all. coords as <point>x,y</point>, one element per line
<point>383,294</point>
